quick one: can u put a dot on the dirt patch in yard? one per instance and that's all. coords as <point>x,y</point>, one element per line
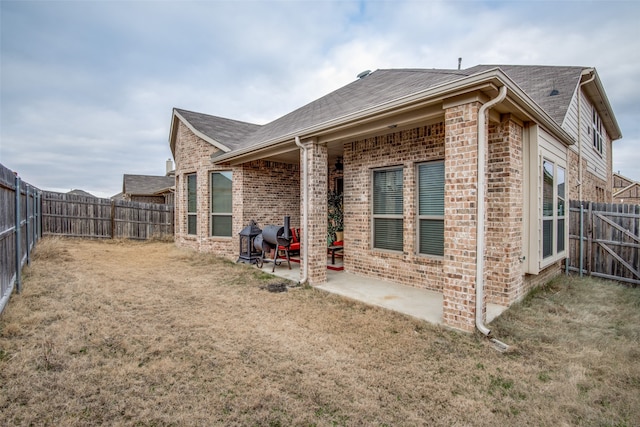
<point>131,333</point>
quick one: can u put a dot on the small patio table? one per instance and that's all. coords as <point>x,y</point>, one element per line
<point>334,249</point>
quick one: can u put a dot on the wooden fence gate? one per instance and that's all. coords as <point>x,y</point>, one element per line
<point>605,240</point>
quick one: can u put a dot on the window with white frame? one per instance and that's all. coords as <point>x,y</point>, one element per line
<point>192,204</point>
<point>597,132</point>
<point>221,204</point>
<point>431,208</point>
<point>388,209</point>
<point>554,207</point>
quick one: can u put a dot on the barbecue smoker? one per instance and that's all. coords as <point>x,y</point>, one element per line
<point>272,240</point>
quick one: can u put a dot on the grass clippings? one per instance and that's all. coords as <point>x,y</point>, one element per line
<point>126,333</point>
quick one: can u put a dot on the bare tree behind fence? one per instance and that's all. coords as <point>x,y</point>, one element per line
<point>19,230</point>
<point>80,216</point>
<point>605,240</point>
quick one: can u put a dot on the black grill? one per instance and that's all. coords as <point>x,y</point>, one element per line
<point>267,244</point>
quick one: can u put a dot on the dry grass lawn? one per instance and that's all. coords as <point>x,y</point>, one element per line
<point>124,333</point>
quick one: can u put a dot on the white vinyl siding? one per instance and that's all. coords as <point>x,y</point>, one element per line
<point>387,209</point>
<point>431,208</point>
<point>221,204</point>
<point>596,160</point>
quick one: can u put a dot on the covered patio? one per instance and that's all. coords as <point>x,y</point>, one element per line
<point>419,303</point>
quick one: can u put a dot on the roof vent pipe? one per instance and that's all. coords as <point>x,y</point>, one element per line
<point>363,74</point>
<point>459,63</point>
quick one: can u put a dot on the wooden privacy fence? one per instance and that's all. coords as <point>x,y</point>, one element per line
<point>79,216</point>
<point>605,240</point>
<point>19,230</point>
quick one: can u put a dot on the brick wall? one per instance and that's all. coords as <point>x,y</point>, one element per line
<point>192,155</point>
<point>594,189</point>
<point>405,148</point>
<point>318,175</point>
<point>504,232</point>
<point>262,190</point>
<point>460,216</point>
<point>270,190</point>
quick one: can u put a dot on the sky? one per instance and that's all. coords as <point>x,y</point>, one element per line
<point>87,88</point>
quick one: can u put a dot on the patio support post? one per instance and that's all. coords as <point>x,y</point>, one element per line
<point>317,170</point>
<point>459,264</point>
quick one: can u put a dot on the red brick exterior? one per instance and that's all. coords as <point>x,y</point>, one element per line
<point>406,148</point>
<point>504,233</point>
<point>594,189</point>
<point>461,148</point>
<point>318,171</point>
<point>263,191</point>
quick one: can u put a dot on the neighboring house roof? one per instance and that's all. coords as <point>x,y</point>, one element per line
<point>146,185</point>
<point>387,89</point>
<point>80,193</point>
<point>621,181</point>
<point>624,192</point>
<point>625,186</point>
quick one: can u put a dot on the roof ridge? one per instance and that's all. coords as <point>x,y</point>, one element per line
<point>214,116</point>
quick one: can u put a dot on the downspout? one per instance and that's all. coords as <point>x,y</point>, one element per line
<point>581,244</point>
<point>481,209</point>
<point>593,76</point>
<point>305,224</point>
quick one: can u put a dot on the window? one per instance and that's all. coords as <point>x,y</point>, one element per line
<point>387,209</point>
<point>553,210</point>
<point>597,132</point>
<point>431,208</point>
<point>221,204</point>
<point>192,204</point>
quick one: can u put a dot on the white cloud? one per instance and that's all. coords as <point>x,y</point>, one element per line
<point>88,87</point>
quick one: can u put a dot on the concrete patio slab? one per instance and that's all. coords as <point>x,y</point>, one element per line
<point>419,303</point>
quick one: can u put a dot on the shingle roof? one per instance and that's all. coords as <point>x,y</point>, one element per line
<point>228,132</point>
<point>77,192</point>
<point>387,85</point>
<point>538,81</point>
<point>377,88</point>
<point>146,184</point>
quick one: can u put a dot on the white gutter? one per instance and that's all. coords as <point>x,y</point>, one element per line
<point>305,224</point>
<point>482,117</point>
<point>593,76</point>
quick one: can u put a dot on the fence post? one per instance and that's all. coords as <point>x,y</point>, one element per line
<point>18,238</point>
<point>113,219</point>
<point>27,233</point>
<point>581,237</point>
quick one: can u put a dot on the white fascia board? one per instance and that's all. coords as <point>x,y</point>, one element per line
<point>614,131</point>
<point>195,131</point>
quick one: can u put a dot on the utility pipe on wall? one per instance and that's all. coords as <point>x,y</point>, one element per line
<point>482,117</point>
<point>305,224</point>
<point>593,76</point>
